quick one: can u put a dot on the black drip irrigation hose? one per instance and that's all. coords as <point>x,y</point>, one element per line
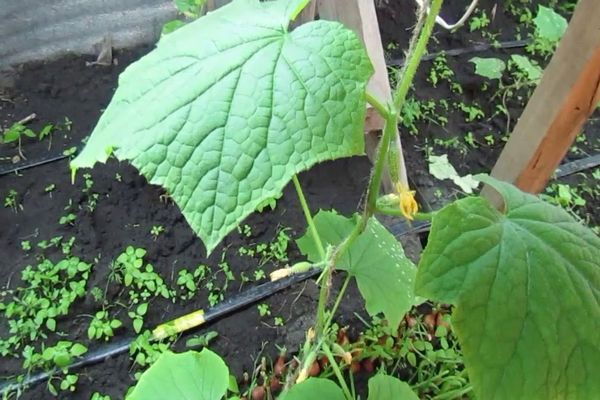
<point>511,44</point>
<point>227,307</point>
<point>5,170</point>
<point>573,167</point>
<point>101,354</point>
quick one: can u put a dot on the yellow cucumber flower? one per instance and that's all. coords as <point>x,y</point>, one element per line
<point>408,204</point>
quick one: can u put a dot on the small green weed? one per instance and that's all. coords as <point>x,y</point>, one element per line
<point>102,326</point>
<point>49,291</point>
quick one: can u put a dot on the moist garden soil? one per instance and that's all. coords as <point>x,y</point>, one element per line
<point>128,207</point>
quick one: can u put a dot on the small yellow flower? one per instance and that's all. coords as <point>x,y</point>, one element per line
<point>408,204</point>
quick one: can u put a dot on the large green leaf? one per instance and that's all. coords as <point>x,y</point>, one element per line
<point>526,285</point>
<point>185,376</point>
<point>525,64</point>
<point>491,68</point>
<point>385,276</point>
<point>549,24</point>
<point>228,108</point>
<point>385,387</point>
<point>314,388</point>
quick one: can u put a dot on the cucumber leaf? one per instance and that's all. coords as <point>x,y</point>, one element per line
<point>229,107</point>
<point>384,275</point>
<point>526,286</point>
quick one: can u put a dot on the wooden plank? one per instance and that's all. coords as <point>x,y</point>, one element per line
<point>566,96</point>
<point>308,14</point>
<point>360,16</point>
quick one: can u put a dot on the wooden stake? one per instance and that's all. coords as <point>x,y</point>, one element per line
<point>565,98</point>
<point>360,16</point>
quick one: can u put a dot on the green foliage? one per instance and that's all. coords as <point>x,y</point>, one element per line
<point>550,27</point>
<point>314,388</point>
<point>156,231</point>
<point>532,70</point>
<point>145,351</point>
<point>143,282</point>
<point>201,340</point>
<point>549,24</point>
<point>15,133</point>
<point>99,396</point>
<point>264,310</point>
<point>440,167</point>
<point>47,293</point>
<point>384,387</point>
<point>102,326</point>
<point>250,105</point>
<point>440,71</point>
<point>225,141</point>
<point>191,9</point>
<point>491,68</point>
<point>383,273</point>
<point>478,21</point>
<point>189,281</point>
<point>275,251</point>
<point>60,355</point>
<point>12,200</point>
<point>525,284</point>
<point>186,376</point>
<point>137,316</point>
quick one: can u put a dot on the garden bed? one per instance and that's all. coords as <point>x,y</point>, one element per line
<point>114,207</point>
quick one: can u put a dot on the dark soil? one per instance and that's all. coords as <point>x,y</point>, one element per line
<point>129,208</point>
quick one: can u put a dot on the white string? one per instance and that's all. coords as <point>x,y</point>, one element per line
<point>440,21</point>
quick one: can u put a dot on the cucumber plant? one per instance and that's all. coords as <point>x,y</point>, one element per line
<point>231,107</point>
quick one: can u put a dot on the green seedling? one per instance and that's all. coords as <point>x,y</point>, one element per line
<point>201,340</point>
<point>102,326</point>
<point>59,356</point>
<point>144,351</point>
<point>141,280</point>
<point>67,124</point>
<point>99,396</point>
<point>50,188</point>
<point>47,293</point>
<point>70,151</point>
<point>472,112</point>
<point>264,310</point>
<point>67,219</point>
<point>137,316</point>
<point>12,201</point>
<point>188,282</point>
<point>156,231</point>
<point>479,21</point>
<point>15,133</point>
<point>441,71</point>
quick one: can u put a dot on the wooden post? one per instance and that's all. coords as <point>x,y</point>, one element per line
<point>308,14</point>
<point>565,98</point>
<point>360,16</point>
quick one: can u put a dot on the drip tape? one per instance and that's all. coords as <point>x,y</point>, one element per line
<point>10,169</point>
<point>478,48</point>
<point>227,307</point>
